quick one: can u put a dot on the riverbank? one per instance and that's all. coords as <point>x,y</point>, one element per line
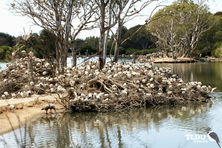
<point>16,112</point>
<point>174,60</point>
<point>148,58</point>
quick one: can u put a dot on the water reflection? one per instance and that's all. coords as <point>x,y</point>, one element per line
<point>116,129</point>
<point>2,66</point>
<point>207,73</point>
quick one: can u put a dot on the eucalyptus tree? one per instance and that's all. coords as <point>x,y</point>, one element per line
<point>115,12</point>
<point>53,15</point>
<point>106,15</point>
<point>127,10</point>
<point>212,38</point>
<point>180,26</point>
<point>143,39</point>
<point>84,19</point>
<point>64,18</point>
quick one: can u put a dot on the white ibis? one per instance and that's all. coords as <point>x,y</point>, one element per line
<point>49,107</point>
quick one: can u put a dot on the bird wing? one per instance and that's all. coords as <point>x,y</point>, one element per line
<point>214,136</point>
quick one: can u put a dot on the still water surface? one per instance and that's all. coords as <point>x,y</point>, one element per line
<point>2,65</point>
<point>80,60</point>
<point>156,127</point>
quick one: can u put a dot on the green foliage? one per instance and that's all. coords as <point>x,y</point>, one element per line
<point>212,38</point>
<point>6,40</point>
<point>42,45</point>
<point>124,30</point>
<point>141,52</point>
<point>5,53</point>
<point>93,42</point>
<point>218,35</point>
<point>217,45</point>
<point>174,25</point>
<point>215,33</point>
<point>143,39</point>
<point>45,44</point>
<point>122,50</point>
<point>136,41</point>
<point>90,45</point>
<point>219,13</point>
<point>2,53</point>
<point>217,50</point>
<point>88,49</point>
<point>79,43</point>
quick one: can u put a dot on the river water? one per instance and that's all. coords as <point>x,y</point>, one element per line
<point>69,61</point>
<point>181,126</point>
<point>2,65</point>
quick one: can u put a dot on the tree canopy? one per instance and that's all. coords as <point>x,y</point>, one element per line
<point>6,40</point>
<point>143,39</point>
<point>178,27</point>
<point>212,38</point>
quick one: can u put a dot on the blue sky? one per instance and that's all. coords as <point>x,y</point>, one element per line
<point>19,25</point>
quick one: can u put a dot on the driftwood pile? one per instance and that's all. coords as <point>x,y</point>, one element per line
<point>126,85</point>
<point>85,88</point>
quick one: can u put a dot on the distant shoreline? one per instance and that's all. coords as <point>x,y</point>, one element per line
<point>145,59</point>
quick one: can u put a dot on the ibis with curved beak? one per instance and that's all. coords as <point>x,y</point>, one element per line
<point>49,107</point>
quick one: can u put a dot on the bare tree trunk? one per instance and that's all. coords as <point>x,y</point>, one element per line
<point>172,36</point>
<point>61,62</point>
<point>118,42</point>
<point>107,36</point>
<point>186,52</point>
<point>102,36</point>
<point>57,16</point>
<point>105,25</point>
<point>74,56</point>
<point>166,49</point>
<point>101,47</point>
<point>105,46</point>
<point>68,32</point>
<point>64,59</point>
<point>57,57</point>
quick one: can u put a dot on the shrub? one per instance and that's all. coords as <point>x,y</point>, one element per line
<point>5,52</point>
<point>217,52</point>
<point>141,52</point>
<point>91,50</point>
<point>2,54</point>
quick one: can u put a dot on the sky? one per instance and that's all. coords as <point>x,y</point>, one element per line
<point>17,25</point>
